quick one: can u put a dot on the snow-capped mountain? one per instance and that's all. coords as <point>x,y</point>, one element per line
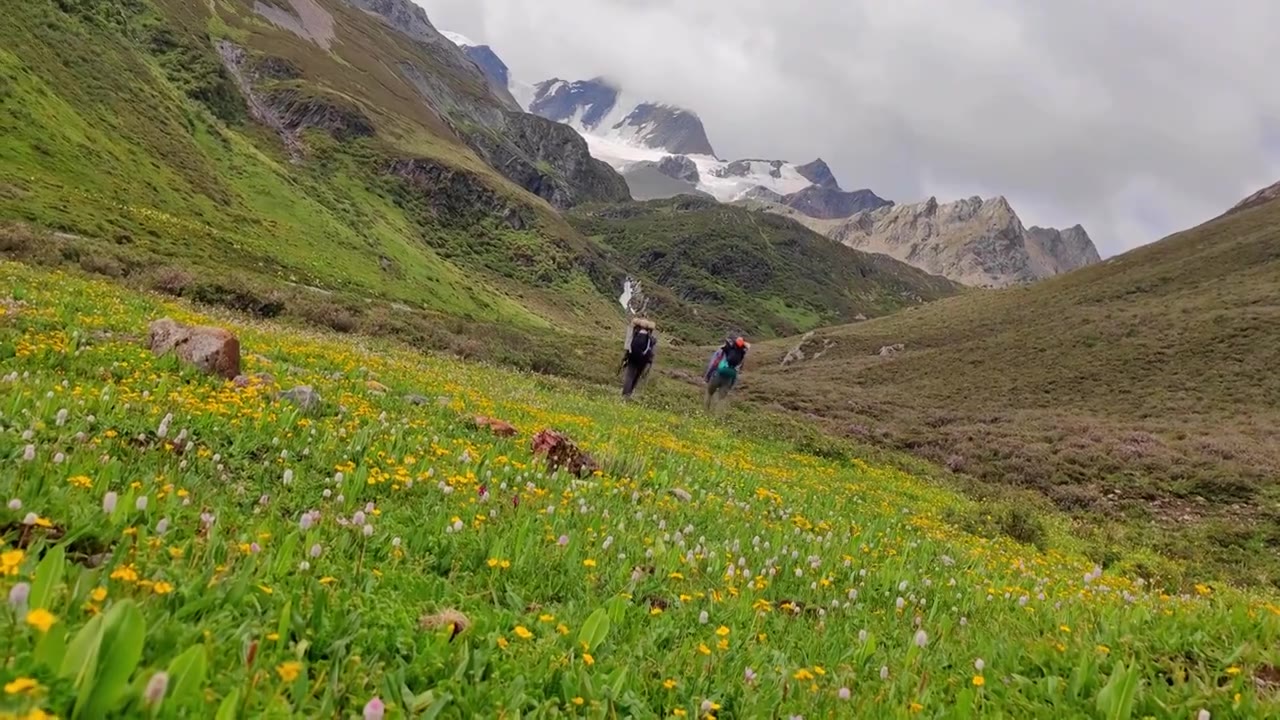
<point>598,107</point>
<point>495,71</point>
<point>663,151</point>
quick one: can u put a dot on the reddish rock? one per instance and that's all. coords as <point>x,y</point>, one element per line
<point>563,453</point>
<point>212,350</point>
<point>501,428</point>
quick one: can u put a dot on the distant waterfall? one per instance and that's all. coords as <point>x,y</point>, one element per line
<point>628,291</point>
<point>632,298</point>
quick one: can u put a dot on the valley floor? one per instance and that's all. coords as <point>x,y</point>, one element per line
<point>277,563</point>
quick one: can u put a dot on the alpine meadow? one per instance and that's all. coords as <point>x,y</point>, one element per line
<point>312,320</point>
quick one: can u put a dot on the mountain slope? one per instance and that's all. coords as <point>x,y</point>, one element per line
<point>725,268</point>
<point>1144,387</point>
<point>312,141</point>
<point>244,150</point>
<point>973,241</point>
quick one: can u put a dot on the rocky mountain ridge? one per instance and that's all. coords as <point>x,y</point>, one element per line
<point>975,241</point>
<point>652,150</point>
<point>543,157</point>
<point>598,107</point>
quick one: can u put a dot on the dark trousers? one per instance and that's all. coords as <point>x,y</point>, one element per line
<point>631,374</point>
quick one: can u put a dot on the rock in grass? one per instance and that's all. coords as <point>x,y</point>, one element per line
<point>447,618</point>
<point>682,494</point>
<point>258,379</point>
<point>212,350</point>
<point>501,428</point>
<point>417,399</point>
<point>563,453</point>
<point>304,396</point>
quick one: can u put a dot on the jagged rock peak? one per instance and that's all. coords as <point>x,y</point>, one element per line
<point>587,101</point>
<point>679,167</point>
<point>818,173</point>
<point>972,241</point>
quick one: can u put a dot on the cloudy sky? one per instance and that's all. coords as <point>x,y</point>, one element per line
<point>1135,118</point>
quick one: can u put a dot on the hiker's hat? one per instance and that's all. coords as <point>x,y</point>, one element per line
<point>740,342</point>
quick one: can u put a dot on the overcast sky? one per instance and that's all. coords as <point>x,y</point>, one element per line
<point>1135,118</point>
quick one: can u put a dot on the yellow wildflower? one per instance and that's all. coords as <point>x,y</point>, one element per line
<point>802,674</point>
<point>523,633</point>
<point>289,671</point>
<point>98,594</point>
<point>702,648</point>
<point>722,631</point>
<point>41,619</point>
<point>669,684</point>
<point>589,563</point>
<point>586,658</point>
<point>21,685</point>
<point>10,560</point>
<point>162,588</point>
<point>979,681</point>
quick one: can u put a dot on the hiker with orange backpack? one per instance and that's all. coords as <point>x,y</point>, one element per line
<point>722,371</point>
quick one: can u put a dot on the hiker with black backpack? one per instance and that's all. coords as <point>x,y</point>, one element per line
<point>638,353</point>
<point>722,371</point>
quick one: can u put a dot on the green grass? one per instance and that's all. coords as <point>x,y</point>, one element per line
<point>1139,394</point>
<point>718,268</point>
<point>111,141</point>
<point>255,613</point>
<point>123,128</point>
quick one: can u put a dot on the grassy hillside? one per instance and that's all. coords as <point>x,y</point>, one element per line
<point>1146,388</point>
<point>127,133</point>
<point>121,125</point>
<point>277,564</point>
<point>727,268</point>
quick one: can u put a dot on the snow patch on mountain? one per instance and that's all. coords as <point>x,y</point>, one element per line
<point>458,39</point>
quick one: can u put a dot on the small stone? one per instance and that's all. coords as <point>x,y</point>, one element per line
<point>304,396</point>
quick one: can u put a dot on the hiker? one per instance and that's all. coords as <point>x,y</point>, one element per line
<point>722,371</point>
<point>638,353</point>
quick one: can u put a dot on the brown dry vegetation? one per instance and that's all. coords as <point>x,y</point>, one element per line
<point>1144,389</point>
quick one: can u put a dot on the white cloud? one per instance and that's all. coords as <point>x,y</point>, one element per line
<point>1136,118</point>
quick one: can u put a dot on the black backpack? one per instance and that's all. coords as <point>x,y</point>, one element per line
<point>642,342</point>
